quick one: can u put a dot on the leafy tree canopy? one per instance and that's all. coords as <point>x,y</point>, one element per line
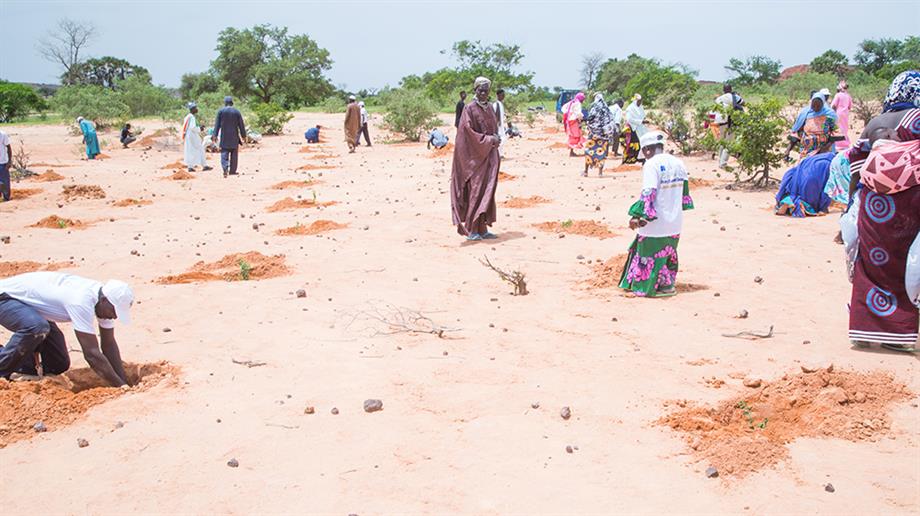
<point>754,70</point>
<point>104,71</point>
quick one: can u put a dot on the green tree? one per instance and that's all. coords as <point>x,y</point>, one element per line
<point>145,99</point>
<point>831,61</point>
<point>754,70</point>
<point>656,80</point>
<point>193,85</point>
<point>270,118</point>
<point>409,112</point>
<point>269,64</point>
<point>105,71</point>
<point>101,105</point>
<point>759,131</point>
<point>18,100</point>
<point>910,49</point>
<point>614,74</point>
<point>496,61</point>
<point>874,54</point>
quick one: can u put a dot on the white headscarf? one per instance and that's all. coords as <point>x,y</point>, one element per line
<point>598,97</point>
<point>481,81</point>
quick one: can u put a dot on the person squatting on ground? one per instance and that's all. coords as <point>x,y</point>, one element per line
<point>30,306</point>
<point>191,137</point>
<point>231,130</point>
<point>651,266</point>
<point>437,139</point>
<point>127,137</point>
<point>474,172</point>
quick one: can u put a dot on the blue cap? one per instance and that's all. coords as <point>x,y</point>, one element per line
<point>228,99</point>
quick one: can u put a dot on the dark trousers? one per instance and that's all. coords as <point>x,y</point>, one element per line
<point>228,159</point>
<point>31,334</point>
<point>5,181</point>
<point>128,141</point>
<point>367,136</point>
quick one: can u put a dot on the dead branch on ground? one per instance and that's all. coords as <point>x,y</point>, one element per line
<point>516,278</point>
<point>750,335</point>
<point>247,363</point>
<point>397,319</point>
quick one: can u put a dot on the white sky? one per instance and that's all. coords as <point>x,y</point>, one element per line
<point>377,43</point>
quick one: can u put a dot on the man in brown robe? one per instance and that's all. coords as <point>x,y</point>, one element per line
<point>474,175</point>
<point>352,123</point>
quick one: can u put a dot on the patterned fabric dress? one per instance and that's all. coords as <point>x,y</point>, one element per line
<point>651,266</point>
<point>888,222</point>
<point>600,127</point>
<point>838,181</point>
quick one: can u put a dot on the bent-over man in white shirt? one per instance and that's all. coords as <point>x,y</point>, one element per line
<point>31,304</point>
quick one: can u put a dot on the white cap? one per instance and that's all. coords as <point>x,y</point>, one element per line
<point>652,138</point>
<point>120,295</point>
<point>351,97</point>
<point>824,91</point>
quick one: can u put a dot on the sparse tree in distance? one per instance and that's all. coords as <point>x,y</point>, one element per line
<point>63,44</point>
<point>875,54</point>
<point>754,70</point>
<point>831,61</point>
<point>590,68</point>
<point>105,71</point>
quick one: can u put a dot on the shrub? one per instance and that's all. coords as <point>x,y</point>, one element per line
<point>759,134</point>
<point>409,112</point>
<point>101,105</point>
<point>270,118</point>
<point>333,104</point>
<point>145,99</point>
<point>18,100</point>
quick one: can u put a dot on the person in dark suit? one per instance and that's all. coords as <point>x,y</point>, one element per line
<point>231,130</point>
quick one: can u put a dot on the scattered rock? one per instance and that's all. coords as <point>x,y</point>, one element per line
<point>301,293</point>
<point>758,279</point>
<point>809,368</point>
<point>334,411</point>
<point>373,405</point>
<point>119,424</point>
<point>309,410</point>
<point>82,443</point>
<point>712,472</point>
<point>39,427</point>
<point>233,463</point>
<point>167,330</point>
<point>568,449</point>
<point>829,488</point>
<point>752,382</point>
<point>535,405</point>
<point>566,413</point>
<point>859,397</point>
<point>5,239</point>
<point>743,314</point>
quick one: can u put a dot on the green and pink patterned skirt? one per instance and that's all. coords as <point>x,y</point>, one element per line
<point>651,267</point>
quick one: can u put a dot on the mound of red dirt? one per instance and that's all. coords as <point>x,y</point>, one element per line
<point>750,431</point>
<point>174,165</point>
<point>522,202</point>
<point>59,400</point>
<point>310,166</point>
<point>8,269</point>
<point>443,152</point>
<point>559,145</point>
<point>288,203</point>
<point>55,222</point>
<point>124,203</point>
<point>72,192</point>
<point>23,193</point>
<point>47,177</point>
<point>627,168</point>
<point>607,274</point>
<point>506,177</point>
<point>180,175</point>
<point>284,185</point>
<point>233,267</point>
<point>699,182</point>
<point>577,227</point>
<point>317,227</point>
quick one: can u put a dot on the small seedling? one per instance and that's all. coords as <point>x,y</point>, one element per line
<point>62,223</point>
<point>314,196</point>
<point>748,412</point>
<point>567,224</point>
<point>245,269</point>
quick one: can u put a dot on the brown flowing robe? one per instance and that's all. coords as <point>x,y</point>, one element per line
<point>474,175</point>
<point>352,123</point>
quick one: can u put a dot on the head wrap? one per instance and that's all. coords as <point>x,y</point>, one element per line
<point>652,138</point>
<point>807,112</point>
<point>598,97</point>
<point>825,92</point>
<point>351,97</point>
<point>79,119</point>
<point>842,85</point>
<point>480,81</point>
<point>637,97</point>
<point>904,92</point>
<point>192,105</point>
<point>361,103</point>
<point>579,96</point>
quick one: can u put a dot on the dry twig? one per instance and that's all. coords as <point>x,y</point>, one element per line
<point>750,335</point>
<point>516,278</point>
<point>400,320</point>
<point>247,363</point>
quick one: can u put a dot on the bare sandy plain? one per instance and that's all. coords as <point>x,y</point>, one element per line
<point>471,420</point>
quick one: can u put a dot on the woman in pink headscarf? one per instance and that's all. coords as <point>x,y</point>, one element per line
<point>571,118</point>
<point>841,104</point>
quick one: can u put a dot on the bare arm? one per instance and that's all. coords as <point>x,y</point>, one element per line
<point>96,360</point>
<point>111,352</point>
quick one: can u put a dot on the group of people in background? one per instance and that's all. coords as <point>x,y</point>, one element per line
<point>608,126</point>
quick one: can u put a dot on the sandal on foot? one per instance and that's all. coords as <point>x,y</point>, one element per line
<point>474,236</point>
<point>489,236</point>
<point>903,348</point>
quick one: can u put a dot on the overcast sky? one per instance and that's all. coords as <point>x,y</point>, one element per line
<point>377,43</point>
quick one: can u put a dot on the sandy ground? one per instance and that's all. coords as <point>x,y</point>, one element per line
<point>458,432</point>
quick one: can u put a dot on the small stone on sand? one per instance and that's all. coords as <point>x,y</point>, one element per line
<point>373,405</point>
<point>568,449</point>
<point>82,443</point>
<point>309,410</point>
<point>334,411</point>
<point>711,472</point>
<point>39,427</point>
<point>233,463</point>
<point>566,412</point>
<point>752,382</point>
<point>301,293</point>
<point>829,488</point>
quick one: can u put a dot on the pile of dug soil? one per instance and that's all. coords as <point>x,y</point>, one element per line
<point>151,139</point>
<point>696,181</point>
<point>444,152</point>
<point>294,184</point>
<point>47,177</point>
<point>317,227</point>
<point>310,166</point>
<point>231,268</point>
<point>8,269</point>
<point>627,168</point>
<point>552,130</point>
<point>180,175</point>
<point>577,227</point>
<point>748,432</point>
<point>607,274</point>
<point>72,192</point>
<point>288,203</point>
<point>124,203</point>
<point>559,145</point>
<point>23,193</point>
<point>324,156</point>
<point>506,177</point>
<point>175,165</point>
<point>55,222</point>
<point>59,400</point>
<point>103,156</point>
<point>528,202</point>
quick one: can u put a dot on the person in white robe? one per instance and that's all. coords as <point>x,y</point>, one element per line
<point>191,136</point>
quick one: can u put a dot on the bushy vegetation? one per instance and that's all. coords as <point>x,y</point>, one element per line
<point>270,118</point>
<point>101,105</point>
<point>758,140</point>
<point>409,113</point>
<point>623,78</point>
<point>18,100</point>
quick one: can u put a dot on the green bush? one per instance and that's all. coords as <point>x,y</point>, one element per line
<point>333,104</point>
<point>18,100</point>
<point>758,139</point>
<point>101,105</point>
<point>145,99</point>
<point>409,112</point>
<point>270,118</point>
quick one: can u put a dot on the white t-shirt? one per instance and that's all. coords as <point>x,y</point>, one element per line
<point>726,100</point>
<point>4,141</point>
<point>667,174</point>
<point>58,297</point>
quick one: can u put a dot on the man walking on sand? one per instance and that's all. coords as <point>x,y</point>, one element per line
<point>191,136</point>
<point>365,118</point>
<point>231,130</point>
<point>474,173</point>
<point>352,123</point>
<point>31,304</point>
